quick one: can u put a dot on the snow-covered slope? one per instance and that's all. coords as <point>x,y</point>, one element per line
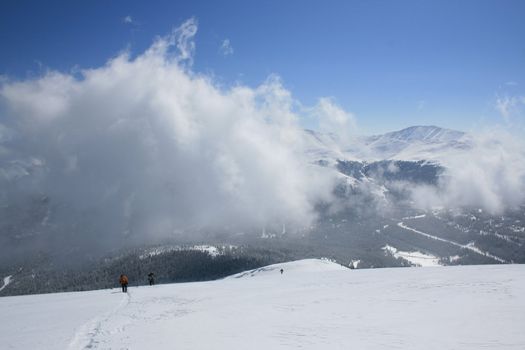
<point>309,265</point>
<point>314,304</point>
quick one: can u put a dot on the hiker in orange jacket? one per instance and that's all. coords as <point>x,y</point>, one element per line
<point>124,283</point>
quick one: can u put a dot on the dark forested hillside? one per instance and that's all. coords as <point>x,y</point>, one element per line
<point>43,275</point>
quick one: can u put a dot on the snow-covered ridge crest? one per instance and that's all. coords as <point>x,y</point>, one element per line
<point>298,266</point>
<point>428,133</point>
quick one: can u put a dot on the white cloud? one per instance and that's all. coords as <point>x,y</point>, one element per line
<point>226,47</point>
<point>190,154</point>
<point>45,98</point>
<point>128,19</point>
<point>184,36</point>
<point>334,120</point>
<point>490,174</point>
<point>509,106</point>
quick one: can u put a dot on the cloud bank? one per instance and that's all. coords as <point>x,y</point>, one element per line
<point>489,175</point>
<point>152,147</point>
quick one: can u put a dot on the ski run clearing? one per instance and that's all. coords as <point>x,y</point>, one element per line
<point>469,246</point>
<point>314,304</point>
<point>7,280</point>
<point>416,258</point>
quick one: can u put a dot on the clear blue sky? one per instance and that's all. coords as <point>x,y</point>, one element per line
<point>391,63</point>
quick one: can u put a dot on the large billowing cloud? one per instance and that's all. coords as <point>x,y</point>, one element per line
<point>154,148</point>
<point>490,175</point>
<point>145,147</point>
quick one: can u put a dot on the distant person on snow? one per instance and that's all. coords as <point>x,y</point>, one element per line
<point>151,278</point>
<point>282,271</point>
<point>124,283</point>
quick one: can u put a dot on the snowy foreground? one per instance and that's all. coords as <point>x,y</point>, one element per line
<point>315,304</point>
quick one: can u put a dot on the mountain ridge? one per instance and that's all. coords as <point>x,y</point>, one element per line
<point>419,142</point>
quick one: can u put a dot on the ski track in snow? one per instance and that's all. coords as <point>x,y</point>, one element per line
<point>469,246</point>
<point>112,330</point>
<point>7,280</point>
<point>90,335</point>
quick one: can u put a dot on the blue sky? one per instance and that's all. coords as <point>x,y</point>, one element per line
<point>391,63</point>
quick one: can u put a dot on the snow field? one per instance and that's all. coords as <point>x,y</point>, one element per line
<point>314,304</point>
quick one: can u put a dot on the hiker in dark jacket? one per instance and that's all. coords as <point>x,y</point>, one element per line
<point>151,278</point>
<point>124,283</point>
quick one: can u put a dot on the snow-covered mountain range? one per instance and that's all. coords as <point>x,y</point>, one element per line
<point>411,144</point>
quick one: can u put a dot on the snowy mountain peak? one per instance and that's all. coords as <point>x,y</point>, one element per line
<point>421,133</point>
